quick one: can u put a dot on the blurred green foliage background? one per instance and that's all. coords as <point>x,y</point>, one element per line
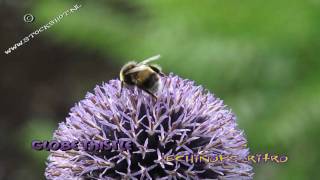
<point>260,57</point>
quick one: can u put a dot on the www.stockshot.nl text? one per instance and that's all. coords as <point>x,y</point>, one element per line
<point>41,29</point>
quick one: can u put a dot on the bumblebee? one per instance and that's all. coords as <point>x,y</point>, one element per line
<point>142,75</point>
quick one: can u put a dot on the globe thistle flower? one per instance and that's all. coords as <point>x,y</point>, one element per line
<point>185,119</point>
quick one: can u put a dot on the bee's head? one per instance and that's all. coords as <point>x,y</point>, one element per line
<point>126,68</point>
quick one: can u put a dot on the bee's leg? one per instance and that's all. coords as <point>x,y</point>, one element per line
<point>150,93</point>
<point>121,87</point>
<point>161,74</point>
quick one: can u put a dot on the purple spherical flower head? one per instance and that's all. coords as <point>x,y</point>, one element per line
<point>184,120</point>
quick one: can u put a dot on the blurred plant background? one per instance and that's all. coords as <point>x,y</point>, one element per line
<point>260,57</point>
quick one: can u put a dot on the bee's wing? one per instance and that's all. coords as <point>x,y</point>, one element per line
<point>153,58</point>
<point>136,69</point>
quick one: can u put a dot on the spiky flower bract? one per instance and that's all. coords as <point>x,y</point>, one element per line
<point>185,119</point>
